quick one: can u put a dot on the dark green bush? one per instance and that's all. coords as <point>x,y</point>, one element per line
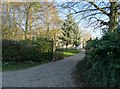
<point>59,54</point>
<point>101,66</point>
<point>28,50</point>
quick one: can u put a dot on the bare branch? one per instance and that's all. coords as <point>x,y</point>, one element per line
<point>98,8</point>
<point>102,22</point>
<point>89,16</point>
<point>87,10</point>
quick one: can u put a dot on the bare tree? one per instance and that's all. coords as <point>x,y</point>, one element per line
<point>99,14</point>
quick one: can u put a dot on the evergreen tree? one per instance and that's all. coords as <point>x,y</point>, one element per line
<point>76,35</point>
<point>70,31</point>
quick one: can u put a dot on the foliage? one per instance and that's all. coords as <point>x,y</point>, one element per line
<point>59,54</point>
<point>29,50</point>
<point>70,31</point>
<point>101,66</point>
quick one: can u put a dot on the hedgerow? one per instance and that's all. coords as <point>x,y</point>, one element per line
<point>28,50</point>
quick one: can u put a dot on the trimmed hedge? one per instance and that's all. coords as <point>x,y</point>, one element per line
<point>101,66</point>
<point>28,50</point>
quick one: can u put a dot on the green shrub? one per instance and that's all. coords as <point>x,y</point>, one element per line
<point>28,50</point>
<point>101,67</point>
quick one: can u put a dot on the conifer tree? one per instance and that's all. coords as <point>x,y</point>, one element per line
<point>70,31</point>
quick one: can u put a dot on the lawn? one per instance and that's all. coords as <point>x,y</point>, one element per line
<point>19,66</point>
<point>67,53</point>
<point>71,52</point>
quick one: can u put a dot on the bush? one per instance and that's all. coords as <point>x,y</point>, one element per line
<point>28,50</point>
<point>59,54</point>
<point>101,66</point>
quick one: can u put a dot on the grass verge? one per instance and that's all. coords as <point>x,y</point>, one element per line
<point>20,66</point>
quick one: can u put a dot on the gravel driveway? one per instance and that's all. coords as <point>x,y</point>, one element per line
<point>54,74</point>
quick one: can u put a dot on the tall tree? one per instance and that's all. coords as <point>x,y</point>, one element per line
<point>50,17</point>
<point>8,20</point>
<point>22,15</point>
<point>30,17</point>
<point>29,7</point>
<point>70,31</point>
<point>76,35</point>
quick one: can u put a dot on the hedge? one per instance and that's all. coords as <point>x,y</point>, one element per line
<point>27,50</point>
<point>101,66</point>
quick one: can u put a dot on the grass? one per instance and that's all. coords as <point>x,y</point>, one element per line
<point>67,53</point>
<point>70,52</point>
<point>19,66</point>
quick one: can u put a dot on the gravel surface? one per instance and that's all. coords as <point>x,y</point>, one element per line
<point>54,74</point>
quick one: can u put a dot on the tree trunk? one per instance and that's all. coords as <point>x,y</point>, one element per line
<point>54,50</point>
<point>26,27</point>
<point>26,22</point>
<point>113,16</point>
<point>48,32</point>
<point>30,22</point>
<point>75,47</point>
<point>66,46</point>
